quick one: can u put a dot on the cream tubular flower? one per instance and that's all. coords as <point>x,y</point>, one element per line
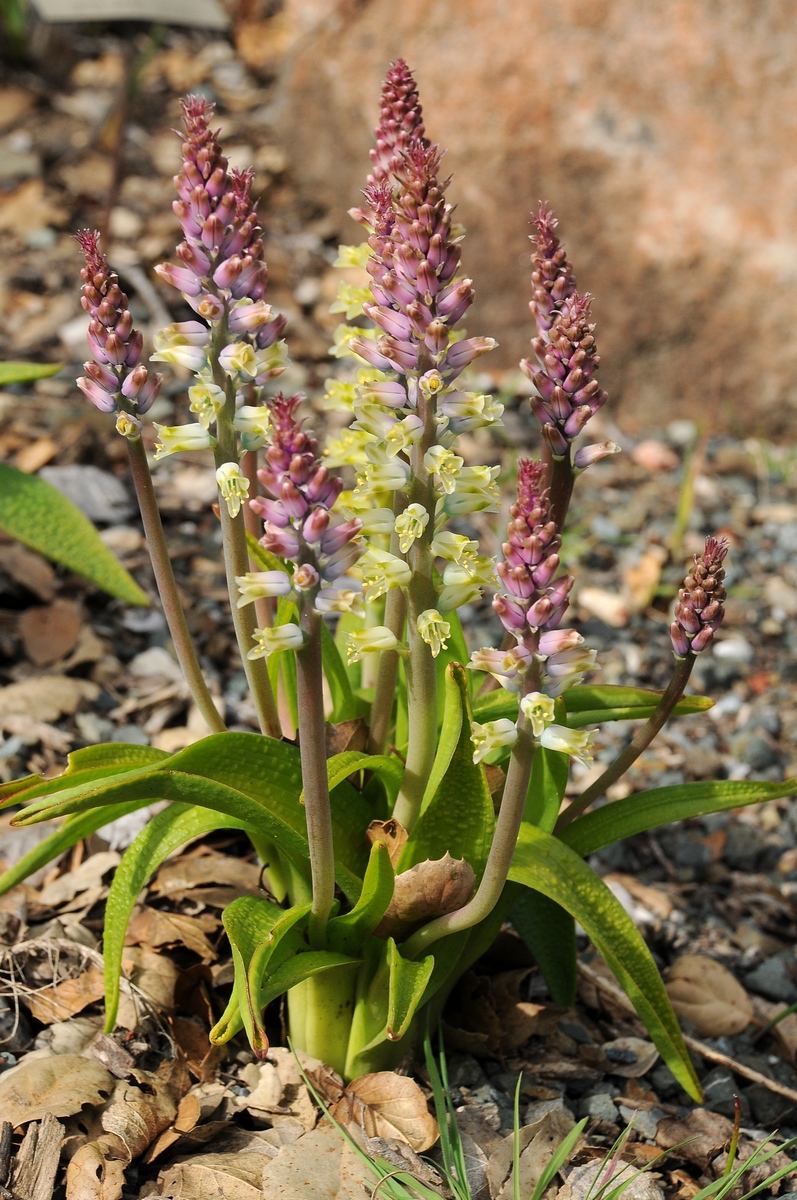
<point>370,641</point>
<point>575,742</point>
<point>272,641</point>
<point>238,359</point>
<point>445,465</point>
<point>258,585</point>
<point>233,485</point>
<point>174,439</point>
<point>410,525</point>
<point>490,736</point>
<point>382,571</point>
<point>539,709</point>
<point>182,344</point>
<point>434,630</point>
<point>206,400</point>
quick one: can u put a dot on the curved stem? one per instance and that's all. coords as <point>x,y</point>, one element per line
<point>499,859</point>
<point>312,748</point>
<point>167,586</point>
<point>640,741</point>
<point>236,562</point>
<point>562,479</point>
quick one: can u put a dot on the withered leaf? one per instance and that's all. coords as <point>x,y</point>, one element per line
<point>706,992</point>
<point>582,1182</point>
<point>178,879</point>
<point>65,999</point>
<point>348,735</point>
<point>49,631</point>
<point>58,1084</point>
<point>487,1016</point>
<point>392,833</point>
<point>215,1177</point>
<point>538,1142</point>
<point>96,1171</point>
<point>387,1105</point>
<point>152,927</point>
<point>47,697</point>
<point>427,890</point>
<point>645,1055</point>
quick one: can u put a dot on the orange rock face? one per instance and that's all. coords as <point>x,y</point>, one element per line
<point>663,134</point>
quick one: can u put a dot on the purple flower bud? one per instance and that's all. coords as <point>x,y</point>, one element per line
<point>315,525</point>
<point>366,349</point>
<point>587,455</point>
<point>700,607</point>
<point>98,397</point>
<point>511,614</point>
<point>556,442</point>
<point>463,353</point>
<point>337,536</point>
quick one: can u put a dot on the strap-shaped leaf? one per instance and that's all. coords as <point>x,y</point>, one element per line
<point>341,766</point>
<point>408,982</point>
<point>36,513</point>
<point>348,932</point>
<point>549,774</point>
<point>456,651</point>
<point>592,705</point>
<point>550,934</point>
<point>450,730</point>
<point>662,806</point>
<point>549,866</point>
<point>164,834</point>
<point>85,765</point>
<point>26,372</point>
<point>264,558</point>
<point>72,831</point>
<point>459,818</point>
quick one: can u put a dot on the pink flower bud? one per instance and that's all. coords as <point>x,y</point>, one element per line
<point>98,397</point>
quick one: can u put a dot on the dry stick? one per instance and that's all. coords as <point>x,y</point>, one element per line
<point>167,587</point>
<point>640,741</point>
<point>619,997</point>
<point>312,748</point>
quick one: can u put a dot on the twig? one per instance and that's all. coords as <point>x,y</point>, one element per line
<point>698,1047</point>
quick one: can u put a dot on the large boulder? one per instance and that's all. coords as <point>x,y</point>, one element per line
<point>663,135</point>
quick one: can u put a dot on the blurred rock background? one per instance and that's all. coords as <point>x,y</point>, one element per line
<point>662,133</point>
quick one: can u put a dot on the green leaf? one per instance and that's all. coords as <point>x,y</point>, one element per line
<point>550,770</point>
<point>86,765</point>
<point>345,705</point>
<point>455,652</point>
<point>450,730</point>
<point>661,806</point>
<point>408,981</point>
<point>547,865</point>
<point>253,778</point>
<point>164,834</point>
<point>25,372</point>
<point>270,956</point>
<point>264,558</point>
<point>389,770</point>
<point>68,835</point>
<point>36,513</point>
<point>459,818</point>
<point>284,665</point>
<point>348,932</point>
<point>590,704</point>
<point>550,934</point>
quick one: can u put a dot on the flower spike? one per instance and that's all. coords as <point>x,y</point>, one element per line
<point>700,607</point>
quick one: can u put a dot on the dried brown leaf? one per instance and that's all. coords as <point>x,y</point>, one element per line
<point>429,889</point>
<point>178,879</point>
<point>704,991</point>
<point>783,1031</point>
<point>59,1084</point>
<point>65,999</point>
<point>152,927</point>
<point>49,631</point>
<point>698,1138</point>
<point>27,207</point>
<point>28,569</point>
<point>153,975</point>
<point>348,735</point>
<point>47,697</point>
<point>319,1164</point>
<point>538,1142</point>
<point>645,1055</point>
<point>387,1105</point>
<point>392,833</point>
<point>487,1016</point>
<point>88,875</point>
<point>96,1171</point>
<point>217,1177</point>
<point>582,1182</point>
<point>642,577</point>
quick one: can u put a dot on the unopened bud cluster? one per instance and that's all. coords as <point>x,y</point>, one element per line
<point>115,380</point>
<point>700,606</point>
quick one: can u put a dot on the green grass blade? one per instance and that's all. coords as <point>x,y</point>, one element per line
<point>558,1160</point>
<point>25,372</point>
<point>36,513</point>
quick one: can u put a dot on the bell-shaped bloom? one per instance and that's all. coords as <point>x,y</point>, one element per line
<point>491,736</point>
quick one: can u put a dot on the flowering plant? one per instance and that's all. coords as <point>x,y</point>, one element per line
<point>392,862</point>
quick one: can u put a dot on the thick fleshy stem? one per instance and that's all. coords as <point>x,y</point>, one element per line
<point>420,665</point>
<point>638,744</point>
<point>312,747</point>
<point>264,614</point>
<point>499,859</point>
<point>236,564</point>
<point>167,586</point>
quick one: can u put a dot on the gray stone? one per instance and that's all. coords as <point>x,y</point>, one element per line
<point>719,1089</point>
<point>130,733</point>
<point>600,1107</point>
<point>769,1109</point>
<point>772,979</point>
<point>664,1082</point>
<point>100,495</point>
<point>759,753</point>
<point>645,1120</point>
<point>743,844</point>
